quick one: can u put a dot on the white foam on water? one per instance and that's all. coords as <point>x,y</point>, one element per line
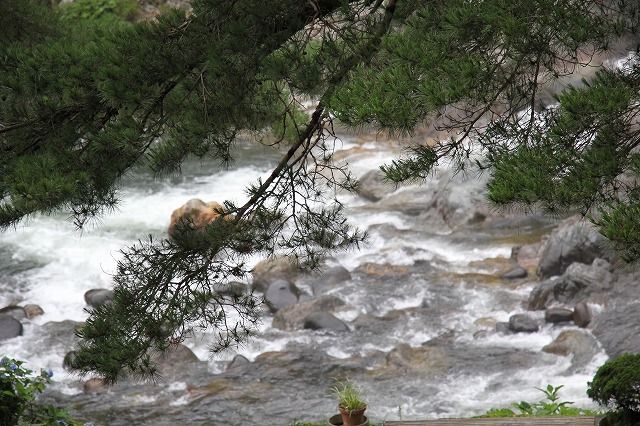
<point>336,352</point>
<point>183,400</point>
<point>177,386</point>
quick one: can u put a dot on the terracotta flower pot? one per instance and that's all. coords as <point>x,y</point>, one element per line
<point>337,421</point>
<point>353,417</point>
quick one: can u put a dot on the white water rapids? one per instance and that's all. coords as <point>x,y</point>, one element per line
<point>47,262</point>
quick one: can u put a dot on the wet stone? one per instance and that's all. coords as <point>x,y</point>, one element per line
<point>98,296</point>
<point>558,315</point>
<point>581,314</point>
<point>9,327</point>
<point>324,321</point>
<point>515,273</point>
<point>523,323</point>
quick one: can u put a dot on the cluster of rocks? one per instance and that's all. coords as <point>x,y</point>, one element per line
<point>576,267</point>
<point>11,318</point>
<point>280,281</point>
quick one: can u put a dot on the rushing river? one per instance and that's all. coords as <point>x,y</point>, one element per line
<point>421,306</point>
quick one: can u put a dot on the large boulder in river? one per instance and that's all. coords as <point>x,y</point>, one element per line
<point>582,345</point>
<point>281,294</point>
<point>194,214</point>
<point>572,241</point>
<point>324,321</point>
<point>9,327</point>
<point>293,317</point>
<point>578,283</point>
<point>98,297</point>
<point>271,270</point>
<point>373,187</point>
<point>618,328</point>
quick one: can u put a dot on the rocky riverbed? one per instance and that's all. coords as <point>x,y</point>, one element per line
<point>451,307</point>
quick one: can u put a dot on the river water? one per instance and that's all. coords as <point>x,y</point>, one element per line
<point>421,304</point>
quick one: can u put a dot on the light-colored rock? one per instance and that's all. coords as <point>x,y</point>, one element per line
<point>574,240</point>
<point>528,255</point>
<point>195,214</point>
<point>281,294</point>
<point>94,385</point>
<point>581,345</point>
<point>373,187</point>
<point>268,271</point>
<point>98,297</point>
<point>33,311</point>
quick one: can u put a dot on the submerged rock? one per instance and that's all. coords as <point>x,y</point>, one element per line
<point>573,241</point>
<point>523,323</point>
<point>9,327</point>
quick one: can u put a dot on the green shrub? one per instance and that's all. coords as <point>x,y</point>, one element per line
<point>549,406</point>
<point>91,10</point>
<point>18,390</point>
<point>616,385</point>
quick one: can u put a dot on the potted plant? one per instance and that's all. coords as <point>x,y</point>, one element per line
<point>350,404</point>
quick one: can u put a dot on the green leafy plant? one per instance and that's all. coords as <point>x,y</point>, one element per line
<point>616,385</point>
<point>549,406</point>
<point>19,388</point>
<point>348,395</point>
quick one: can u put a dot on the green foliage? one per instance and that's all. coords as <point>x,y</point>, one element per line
<point>549,406</point>
<point>348,395</point>
<point>19,388</point>
<point>108,10</point>
<point>616,385</point>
